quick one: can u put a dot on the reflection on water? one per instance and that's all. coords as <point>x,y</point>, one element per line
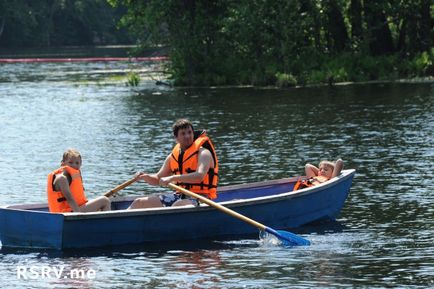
<point>383,236</point>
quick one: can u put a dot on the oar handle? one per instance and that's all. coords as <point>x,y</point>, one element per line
<point>218,206</point>
<point>120,187</point>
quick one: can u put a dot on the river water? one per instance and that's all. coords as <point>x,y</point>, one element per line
<point>384,236</point>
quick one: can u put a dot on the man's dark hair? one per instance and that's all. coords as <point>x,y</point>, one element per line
<point>181,124</point>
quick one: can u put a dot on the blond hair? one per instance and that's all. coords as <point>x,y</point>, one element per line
<point>69,153</point>
<point>328,164</point>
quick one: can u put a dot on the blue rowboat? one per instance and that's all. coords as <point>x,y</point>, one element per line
<point>273,203</point>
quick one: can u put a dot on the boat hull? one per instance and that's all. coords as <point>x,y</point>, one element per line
<point>271,203</point>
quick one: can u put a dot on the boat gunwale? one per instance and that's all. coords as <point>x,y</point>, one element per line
<point>203,207</point>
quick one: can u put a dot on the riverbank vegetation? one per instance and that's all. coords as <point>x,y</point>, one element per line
<point>286,43</point>
<point>253,42</point>
<point>48,23</point>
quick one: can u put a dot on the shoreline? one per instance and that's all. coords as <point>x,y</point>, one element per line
<point>107,53</point>
<point>73,52</point>
<point>82,59</point>
<point>416,80</point>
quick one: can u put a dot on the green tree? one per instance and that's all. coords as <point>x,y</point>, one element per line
<point>262,41</point>
<point>59,22</point>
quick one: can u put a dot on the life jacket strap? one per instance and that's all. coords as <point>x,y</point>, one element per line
<point>202,185</point>
<point>303,183</point>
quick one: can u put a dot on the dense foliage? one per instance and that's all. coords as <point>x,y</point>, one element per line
<point>44,23</point>
<point>287,42</point>
<point>257,42</point>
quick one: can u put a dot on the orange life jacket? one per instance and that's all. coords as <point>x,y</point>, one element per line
<point>186,162</point>
<point>310,182</point>
<point>56,200</point>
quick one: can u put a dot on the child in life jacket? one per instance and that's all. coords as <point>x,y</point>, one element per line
<point>65,189</point>
<point>323,173</point>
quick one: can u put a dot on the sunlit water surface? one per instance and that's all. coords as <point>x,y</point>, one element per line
<point>384,236</point>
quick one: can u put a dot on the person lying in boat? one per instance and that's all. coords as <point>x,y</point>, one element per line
<point>65,190</point>
<point>192,164</point>
<point>323,173</point>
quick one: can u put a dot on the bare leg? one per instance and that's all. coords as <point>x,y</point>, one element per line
<point>146,202</point>
<point>98,204</point>
<point>183,202</point>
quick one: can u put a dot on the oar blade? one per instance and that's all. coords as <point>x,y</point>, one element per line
<point>288,238</point>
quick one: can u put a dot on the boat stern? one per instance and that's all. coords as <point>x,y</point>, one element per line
<point>30,229</point>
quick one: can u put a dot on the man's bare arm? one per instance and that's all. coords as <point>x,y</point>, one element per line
<point>154,179</point>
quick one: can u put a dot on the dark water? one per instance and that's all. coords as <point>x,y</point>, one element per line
<point>383,238</point>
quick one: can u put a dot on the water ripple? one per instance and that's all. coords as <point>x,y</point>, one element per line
<point>383,237</point>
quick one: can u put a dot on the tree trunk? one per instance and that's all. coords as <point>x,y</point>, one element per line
<point>2,25</point>
<point>355,14</point>
<point>412,33</point>
<point>336,26</point>
<point>402,36</point>
<point>52,7</point>
<point>425,26</point>
<point>190,11</point>
<point>308,7</point>
<point>380,40</point>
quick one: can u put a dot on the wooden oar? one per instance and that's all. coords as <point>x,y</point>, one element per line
<point>285,237</point>
<point>120,187</point>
